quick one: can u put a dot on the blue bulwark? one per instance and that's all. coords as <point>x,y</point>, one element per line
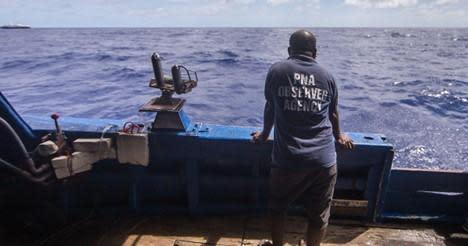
<point>216,169</point>
<point>8,113</point>
<point>439,195</point>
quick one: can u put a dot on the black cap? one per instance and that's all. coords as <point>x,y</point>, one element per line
<point>303,40</point>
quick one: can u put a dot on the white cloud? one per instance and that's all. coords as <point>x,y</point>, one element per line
<point>277,2</point>
<point>148,12</point>
<point>441,9</point>
<point>309,5</point>
<point>215,7</point>
<point>235,12</point>
<point>302,3</point>
<point>443,2</point>
<point>382,3</point>
<point>398,3</point>
<point>210,9</point>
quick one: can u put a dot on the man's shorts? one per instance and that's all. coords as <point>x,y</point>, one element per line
<point>315,185</point>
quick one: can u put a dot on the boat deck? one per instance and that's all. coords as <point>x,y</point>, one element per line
<point>161,230</point>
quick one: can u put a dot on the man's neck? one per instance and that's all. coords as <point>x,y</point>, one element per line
<point>302,56</point>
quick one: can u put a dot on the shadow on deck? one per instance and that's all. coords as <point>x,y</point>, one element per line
<point>190,231</point>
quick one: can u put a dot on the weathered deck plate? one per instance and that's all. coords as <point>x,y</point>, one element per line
<point>158,104</point>
<point>235,231</point>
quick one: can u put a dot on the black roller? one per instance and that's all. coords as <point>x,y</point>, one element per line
<point>178,84</point>
<point>157,68</point>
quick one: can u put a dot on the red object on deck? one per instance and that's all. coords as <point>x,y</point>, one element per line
<point>55,116</point>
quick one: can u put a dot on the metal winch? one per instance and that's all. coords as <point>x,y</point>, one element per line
<point>169,109</point>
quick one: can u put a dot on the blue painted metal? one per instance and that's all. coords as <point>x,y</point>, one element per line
<point>8,113</point>
<point>184,119</point>
<point>427,194</point>
<point>215,169</point>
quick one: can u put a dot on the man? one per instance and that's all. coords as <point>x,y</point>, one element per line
<point>301,101</point>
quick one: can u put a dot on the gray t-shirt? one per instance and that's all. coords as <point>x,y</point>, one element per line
<point>302,94</point>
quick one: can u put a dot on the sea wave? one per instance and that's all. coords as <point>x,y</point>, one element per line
<point>408,83</point>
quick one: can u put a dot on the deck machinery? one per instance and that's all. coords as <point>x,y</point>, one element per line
<point>169,114</point>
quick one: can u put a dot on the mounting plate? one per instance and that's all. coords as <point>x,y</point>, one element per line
<point>160,104</point>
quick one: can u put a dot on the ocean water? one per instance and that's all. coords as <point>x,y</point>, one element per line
<point>410,84</point>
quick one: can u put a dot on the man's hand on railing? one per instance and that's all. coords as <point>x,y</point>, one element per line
<point>345,142</point>
<point>259,137</point>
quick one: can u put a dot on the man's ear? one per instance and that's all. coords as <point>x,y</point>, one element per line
<point>314,53</point>
<point>289,51</point>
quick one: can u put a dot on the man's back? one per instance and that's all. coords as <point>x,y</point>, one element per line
<point>301,102</point>
<point>303,94</point>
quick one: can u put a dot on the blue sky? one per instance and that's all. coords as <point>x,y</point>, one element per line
<point>237,13</point>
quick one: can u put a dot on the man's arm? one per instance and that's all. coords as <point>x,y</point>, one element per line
<point>268,113</point>
<point>268,121</point>
<point>342,139</point>
<point>268,118</point>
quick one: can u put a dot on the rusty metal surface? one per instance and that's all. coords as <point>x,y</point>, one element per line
<point>163,104</point>
<point>353,208</point>
<point>168,86</point>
